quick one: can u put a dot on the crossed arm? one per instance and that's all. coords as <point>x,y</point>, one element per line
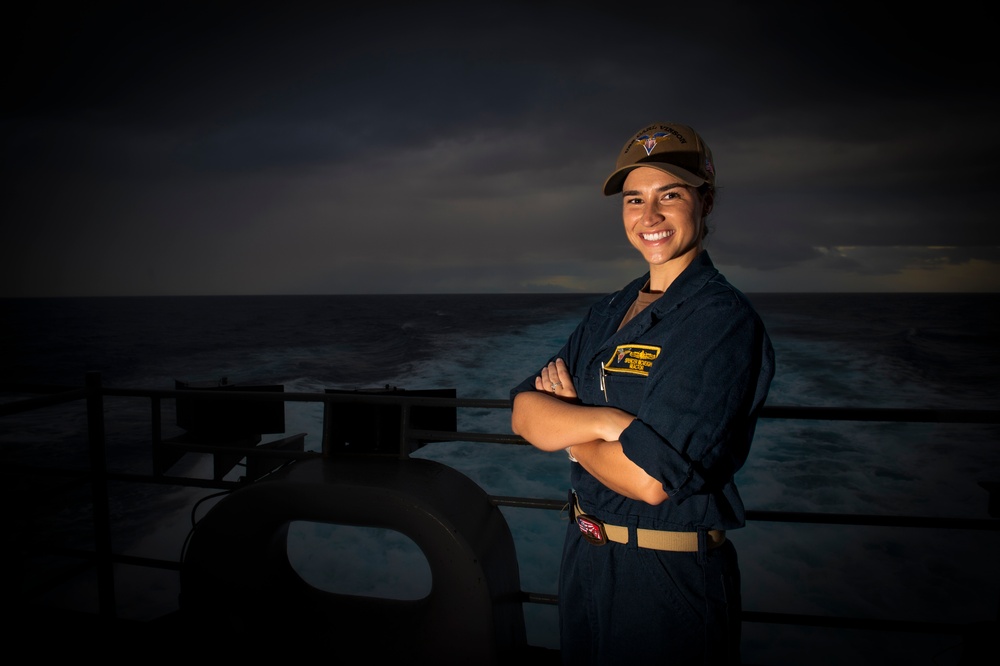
<point>550,420</point>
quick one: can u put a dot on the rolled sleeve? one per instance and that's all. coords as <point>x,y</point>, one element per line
<point>645,447</point>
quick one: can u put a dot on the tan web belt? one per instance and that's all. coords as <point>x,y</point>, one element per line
<point>598,532</point>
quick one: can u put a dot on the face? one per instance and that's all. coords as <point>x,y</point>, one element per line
<point>663,219</point>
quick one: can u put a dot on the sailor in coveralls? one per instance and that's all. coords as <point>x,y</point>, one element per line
<point>655,399</point>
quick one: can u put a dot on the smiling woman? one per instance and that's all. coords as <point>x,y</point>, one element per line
<point>655,399</point>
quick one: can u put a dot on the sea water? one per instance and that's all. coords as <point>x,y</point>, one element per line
<point>932,351</point>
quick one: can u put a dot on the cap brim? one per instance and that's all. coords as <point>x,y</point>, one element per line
<point>616,180</point>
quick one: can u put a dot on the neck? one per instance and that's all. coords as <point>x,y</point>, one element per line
<point>661,276</point>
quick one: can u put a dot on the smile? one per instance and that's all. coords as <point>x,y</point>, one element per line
<point>656,235</point>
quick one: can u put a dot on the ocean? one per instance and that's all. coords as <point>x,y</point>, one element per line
<point>934,351</point>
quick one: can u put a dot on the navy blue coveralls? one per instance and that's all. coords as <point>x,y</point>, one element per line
<point>694,368</point>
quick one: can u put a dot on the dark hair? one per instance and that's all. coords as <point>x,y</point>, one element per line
<point>706,190</point>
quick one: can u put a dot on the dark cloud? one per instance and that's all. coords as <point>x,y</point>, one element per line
<point>225,148</point>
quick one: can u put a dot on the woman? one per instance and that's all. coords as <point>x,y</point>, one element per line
<point>654,398</point>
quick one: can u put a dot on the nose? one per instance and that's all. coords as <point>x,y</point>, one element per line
<point>651,215</point>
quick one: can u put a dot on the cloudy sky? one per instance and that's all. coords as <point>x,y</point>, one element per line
<point>461,147</point>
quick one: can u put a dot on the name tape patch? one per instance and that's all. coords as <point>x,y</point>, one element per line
<point>633,359</point>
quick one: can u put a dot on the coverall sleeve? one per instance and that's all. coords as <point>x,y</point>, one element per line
<point>694,426</point>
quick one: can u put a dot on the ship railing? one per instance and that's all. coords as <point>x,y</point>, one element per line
<point>103,558</point>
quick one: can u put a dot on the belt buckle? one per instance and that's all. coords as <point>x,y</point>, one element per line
<point>592,529</point>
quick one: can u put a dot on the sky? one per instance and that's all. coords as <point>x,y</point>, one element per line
<point>443,147</point>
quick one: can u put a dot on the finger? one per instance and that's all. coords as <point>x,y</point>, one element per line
<point>567,388</point>
<point>543,382</point>
<point>561,371</point>
<point>555,378</point>
<point>561,374</point>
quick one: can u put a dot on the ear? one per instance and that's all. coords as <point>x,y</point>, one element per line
<point>707,202</point>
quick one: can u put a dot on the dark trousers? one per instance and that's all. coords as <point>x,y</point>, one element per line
<point>620,602</point>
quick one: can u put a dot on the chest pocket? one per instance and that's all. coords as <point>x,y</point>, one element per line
<point>632,360</point>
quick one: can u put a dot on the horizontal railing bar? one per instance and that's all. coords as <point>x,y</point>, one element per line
<point>153,563</point>
<point>91,556</point>
<point>83,476</point>
<point>37,402</point>
<point>881,414</point>
<point>989,524</point>
<point>80,475</point>
<point>254,450</point>
<point>345,397</point>
<point>185,481</point>
<point>910,626</point>
<point>541,598</point>
<point>528,502</point>
<point>452,436</point>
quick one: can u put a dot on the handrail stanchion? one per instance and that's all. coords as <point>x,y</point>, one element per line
<point>404,429</point>
<point>156,427</point>
<point>99,496</point>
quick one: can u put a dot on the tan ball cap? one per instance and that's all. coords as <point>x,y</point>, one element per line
<point>671,147</point>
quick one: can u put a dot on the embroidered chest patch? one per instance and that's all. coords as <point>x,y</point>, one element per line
<point>633,359</point>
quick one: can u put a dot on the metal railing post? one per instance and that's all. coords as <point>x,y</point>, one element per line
<point>99,495</point>
<point>404,429</point>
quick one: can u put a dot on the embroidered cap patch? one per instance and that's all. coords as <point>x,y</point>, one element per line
<point>632,359</point>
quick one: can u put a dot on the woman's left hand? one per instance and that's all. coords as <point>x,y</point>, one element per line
<point>555,379</point>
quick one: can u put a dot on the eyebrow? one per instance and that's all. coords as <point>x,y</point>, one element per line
<point>662,188</point>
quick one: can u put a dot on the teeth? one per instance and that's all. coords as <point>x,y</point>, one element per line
<point>655,236</point>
